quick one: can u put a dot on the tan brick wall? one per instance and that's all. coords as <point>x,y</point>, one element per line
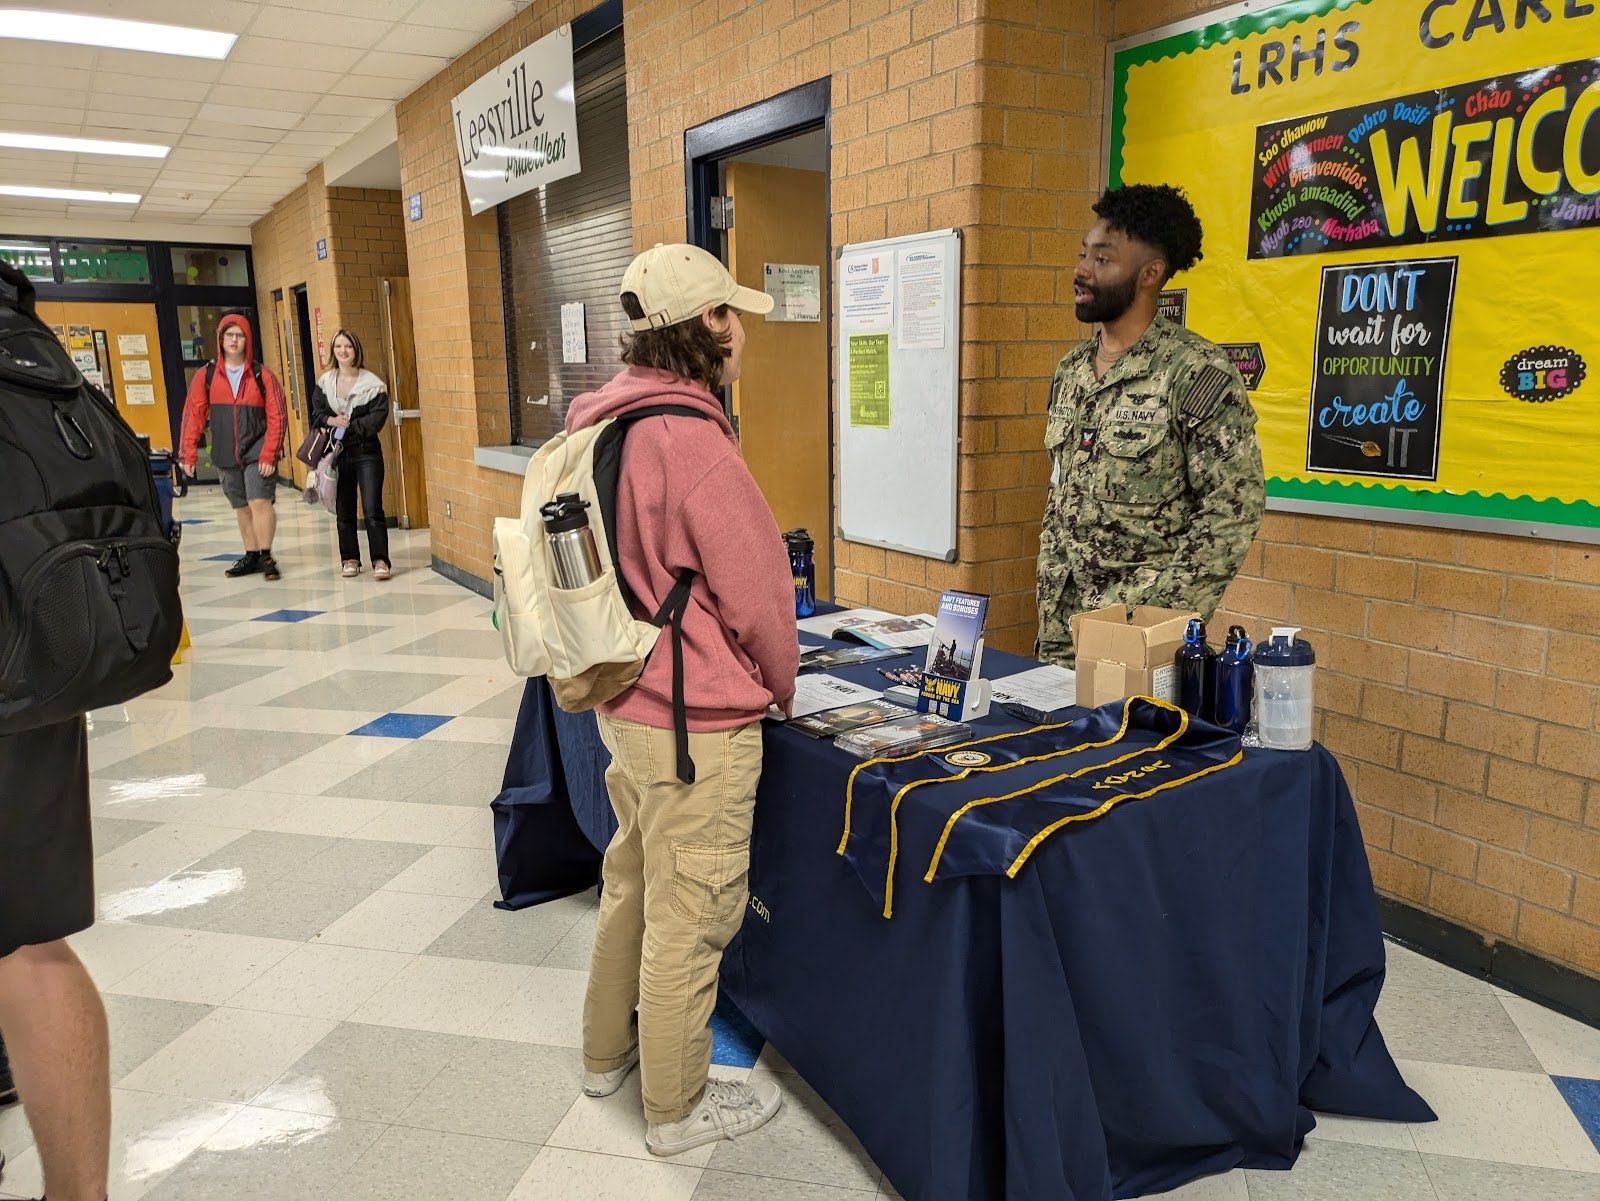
<point>1459,685</point>
<point>1460,688</point>
<point>365,230</point>
<point>456,304</point>
<point>979,114</point>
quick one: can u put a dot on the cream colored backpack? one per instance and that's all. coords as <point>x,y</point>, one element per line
<point>585,641</point>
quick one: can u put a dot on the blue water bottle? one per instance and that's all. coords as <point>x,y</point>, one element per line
<point>1235,681</point>
<point>804,569</point>
<point>1196,662</point>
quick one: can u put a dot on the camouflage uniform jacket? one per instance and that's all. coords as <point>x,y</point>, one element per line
<point>1158,486</point>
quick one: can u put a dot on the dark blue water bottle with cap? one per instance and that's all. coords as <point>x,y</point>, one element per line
<point>1235,681</point>
<point>1196,664</point>
<point>803,566</point>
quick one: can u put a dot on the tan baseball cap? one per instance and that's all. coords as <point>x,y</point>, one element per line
<point>679,282</point>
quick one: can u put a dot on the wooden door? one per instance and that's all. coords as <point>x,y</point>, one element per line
<point>135,380</point>
<point>405,445</point>
<point>287,371</point>
<point>781,398</point>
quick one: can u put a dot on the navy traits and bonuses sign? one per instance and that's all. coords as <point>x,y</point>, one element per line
<point>517,127</point>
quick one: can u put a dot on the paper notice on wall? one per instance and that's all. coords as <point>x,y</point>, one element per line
<point>574,338</point>
<point>97,378</point>
<point>80,337</point>
<point>866,292</point>
<point>869,380</point>
<point>134,344</point>
<point>921,287</point>
<point>140,394</point>
<point>84,360</point>
<point>135,368</point>
<point>796,291</point>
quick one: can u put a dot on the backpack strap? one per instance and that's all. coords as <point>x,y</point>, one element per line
<point>677,603</point>
<point>672,609</point>
<point>255,373</point>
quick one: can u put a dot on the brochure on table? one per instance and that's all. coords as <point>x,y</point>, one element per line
<point>886,631</point>
<point>952,680</point>
<point>818,692</point>
<point>1037,694</point>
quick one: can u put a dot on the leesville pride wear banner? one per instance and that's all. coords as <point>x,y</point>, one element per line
<point>984,807</point>
<point>1401,203</point>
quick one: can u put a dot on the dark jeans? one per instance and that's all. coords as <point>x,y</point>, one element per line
<point>363,470</point>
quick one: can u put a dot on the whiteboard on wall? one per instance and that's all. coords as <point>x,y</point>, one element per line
<point>898,313</point>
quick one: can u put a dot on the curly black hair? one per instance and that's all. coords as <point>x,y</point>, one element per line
<point>1158,215</point>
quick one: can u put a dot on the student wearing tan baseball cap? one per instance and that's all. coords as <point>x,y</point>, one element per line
<point>676,871</point>
<point>671,284</point>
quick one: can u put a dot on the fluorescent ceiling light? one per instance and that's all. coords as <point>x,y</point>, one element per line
<point>38,26</point>
<point>44,141</point>
<point>7,189</point>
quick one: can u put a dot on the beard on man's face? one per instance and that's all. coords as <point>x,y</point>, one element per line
<point>1106,302</point>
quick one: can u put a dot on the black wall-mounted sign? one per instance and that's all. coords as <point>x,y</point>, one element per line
<point>1248,361</point>
<point>1383,331</point>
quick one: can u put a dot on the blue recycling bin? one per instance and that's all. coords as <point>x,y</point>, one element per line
<point>162,468</point>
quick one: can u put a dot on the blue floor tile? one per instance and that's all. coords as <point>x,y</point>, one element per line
<point>734,1041</point>
<point>289,615</point>
<point>1583,1098</point>
<point>220,558</point>
<point>401,725</point>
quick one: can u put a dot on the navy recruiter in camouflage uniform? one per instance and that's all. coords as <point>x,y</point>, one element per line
<point>1157,488</point>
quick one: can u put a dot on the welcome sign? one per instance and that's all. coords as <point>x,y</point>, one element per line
<point>1401,206</point>
<point>1518,153</point>
<point>517,127</point>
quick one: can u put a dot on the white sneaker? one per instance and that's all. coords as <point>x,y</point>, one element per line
<point>603,1084</point>
<point>726,1110</point>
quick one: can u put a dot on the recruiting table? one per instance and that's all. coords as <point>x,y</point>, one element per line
<point>1168,991</point>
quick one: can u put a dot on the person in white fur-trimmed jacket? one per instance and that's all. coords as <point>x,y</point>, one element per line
<point>348,397</point>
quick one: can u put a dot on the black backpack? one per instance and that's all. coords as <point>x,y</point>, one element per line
<point>255,372</point>
<point>89,609</point>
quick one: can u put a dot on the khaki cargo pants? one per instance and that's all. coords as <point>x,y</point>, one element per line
<point>676,883</point>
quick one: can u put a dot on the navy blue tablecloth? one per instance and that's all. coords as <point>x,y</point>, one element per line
<point>1168,991</point>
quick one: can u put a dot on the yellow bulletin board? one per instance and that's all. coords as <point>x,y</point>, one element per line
<point>1401,205</point>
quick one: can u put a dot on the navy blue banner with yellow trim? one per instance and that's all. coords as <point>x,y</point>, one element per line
<point>984,807</point>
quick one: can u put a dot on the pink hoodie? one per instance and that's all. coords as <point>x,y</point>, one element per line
<point>686,499</point>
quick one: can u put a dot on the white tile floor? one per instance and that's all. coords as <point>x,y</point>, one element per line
<point>302,965</point>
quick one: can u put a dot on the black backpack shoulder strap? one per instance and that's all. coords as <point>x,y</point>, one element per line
<point>607,467</point>
<point>211,374</point>
<point>255,370</point>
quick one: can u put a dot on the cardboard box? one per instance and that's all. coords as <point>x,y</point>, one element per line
<point>1128,654</point>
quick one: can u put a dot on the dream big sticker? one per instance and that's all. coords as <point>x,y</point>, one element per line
<point>1542,373</point>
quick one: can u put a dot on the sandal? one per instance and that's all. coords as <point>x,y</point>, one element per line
<point>380,571</point>
<point>350,568</point>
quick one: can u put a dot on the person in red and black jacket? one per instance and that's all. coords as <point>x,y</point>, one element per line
<point>247,413</point>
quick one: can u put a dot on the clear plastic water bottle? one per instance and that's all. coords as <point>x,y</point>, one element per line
<point>803,566</point>
<point>1196,664</point>
<point>1285,703</point>
<point>1235,679</point>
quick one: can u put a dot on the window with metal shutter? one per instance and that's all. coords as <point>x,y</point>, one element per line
<point>570,241</point>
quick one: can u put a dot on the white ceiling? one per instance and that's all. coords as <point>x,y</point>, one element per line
<point>304,77</point>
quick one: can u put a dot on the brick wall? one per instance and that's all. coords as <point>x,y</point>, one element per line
<point>456,304</point>
<point>1459,685</point>
<point>365,232</point>
<point>979,114</point>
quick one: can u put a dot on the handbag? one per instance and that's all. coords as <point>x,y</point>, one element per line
<point>328,480</point>
<point>314,446</point>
